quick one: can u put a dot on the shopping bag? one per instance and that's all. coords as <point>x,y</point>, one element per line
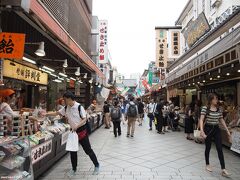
<point>197,134</point>
<point>72,142</point>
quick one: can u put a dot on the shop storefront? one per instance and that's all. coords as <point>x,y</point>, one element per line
<point>50,62</point>
<point>229,94</point>
<point>213,67</point>
<point>28,83</point>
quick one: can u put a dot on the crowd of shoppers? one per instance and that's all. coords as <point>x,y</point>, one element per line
<point>164,115</point>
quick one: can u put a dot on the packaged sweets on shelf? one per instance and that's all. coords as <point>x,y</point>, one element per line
<point>12,162</point>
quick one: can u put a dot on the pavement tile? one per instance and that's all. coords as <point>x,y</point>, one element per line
<point>147,156</point>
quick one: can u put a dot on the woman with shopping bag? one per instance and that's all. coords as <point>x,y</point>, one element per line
<point>76,117</point>
<point>211,117</point>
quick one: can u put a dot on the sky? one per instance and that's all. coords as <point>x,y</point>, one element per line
<point>131,29</point>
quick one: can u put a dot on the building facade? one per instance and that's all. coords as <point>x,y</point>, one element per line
<point>210,59</point>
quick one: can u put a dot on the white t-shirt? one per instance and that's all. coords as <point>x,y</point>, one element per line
<point>151,107</point>
<point>6,109</point>
<point>73,115</point>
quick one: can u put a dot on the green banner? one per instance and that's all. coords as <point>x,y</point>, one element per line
<point>150,78</point>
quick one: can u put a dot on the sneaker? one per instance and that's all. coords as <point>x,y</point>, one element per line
<point>96,170</point>
<point>71,173</point>
<point>119,134</point>
<point>150,129</point>
<point>128,135</point>
<point>225,173</point>
<point>209,168</point>
<point>132,136</point>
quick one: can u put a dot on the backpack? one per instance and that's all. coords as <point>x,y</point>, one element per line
<point>87,125</point>
<point>132,110</point>
<point>79,110</point>
<point>115,113</point>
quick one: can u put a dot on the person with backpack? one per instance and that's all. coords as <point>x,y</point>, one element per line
<point>116,115</point>
<point>140,111</point>
<point>131,114</point>
<point>106,112</point>
<point>211,117</point>
<point>76,117</point>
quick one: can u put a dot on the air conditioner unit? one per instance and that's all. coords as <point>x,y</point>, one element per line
<point>216,3</point>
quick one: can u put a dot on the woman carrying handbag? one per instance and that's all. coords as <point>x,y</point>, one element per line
<point>210,119</point>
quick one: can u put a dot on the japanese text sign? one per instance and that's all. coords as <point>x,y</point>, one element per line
<point>21,72</point>
<point>196,29</point>
<point>12,45</point>
<point>175,43</point>
<point>161,48</point>
<point>103,41</point>
<point>41,151</point>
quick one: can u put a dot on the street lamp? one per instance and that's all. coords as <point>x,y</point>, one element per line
<point>65,64</point>
<point>40,51</point>
<point>77,73</point>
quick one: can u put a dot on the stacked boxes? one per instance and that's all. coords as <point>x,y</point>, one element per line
<point>3,125</point>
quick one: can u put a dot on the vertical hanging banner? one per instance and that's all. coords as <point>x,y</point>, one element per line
<point>161,48</point>
<point>103,41</point>
<point>175,43</point>
<point>150,78</point>
<point>146,85</point>
<point>12,45</point>
<point>125,91</point>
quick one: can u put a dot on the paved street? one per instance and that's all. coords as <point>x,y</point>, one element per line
<point>145,157</point>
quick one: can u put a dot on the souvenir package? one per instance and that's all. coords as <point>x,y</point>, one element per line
<point>67,126</point>
<point>11,149</point>
<point>34,139</point>
<point>18,175</point>
<point>2,155</point>
<point>7,139</point>
<point>48,135</point>
<point>12,162</point>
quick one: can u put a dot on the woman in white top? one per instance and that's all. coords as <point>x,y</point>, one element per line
<point>7,111</point>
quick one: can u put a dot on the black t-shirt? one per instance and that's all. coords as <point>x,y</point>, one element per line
<point>158,109</point>
<point>106,108</point>
<point>140,107</point>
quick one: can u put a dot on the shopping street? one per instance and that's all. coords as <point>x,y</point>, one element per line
<point>146,156</point>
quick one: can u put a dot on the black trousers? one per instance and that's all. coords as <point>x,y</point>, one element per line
<point>117,127</point>
<point>213,132</point>
<point>159,123</point>
<point>88,150</point>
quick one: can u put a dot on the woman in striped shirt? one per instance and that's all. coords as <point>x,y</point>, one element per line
<point>210,118</point>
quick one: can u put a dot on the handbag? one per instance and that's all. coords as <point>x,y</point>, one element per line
<point>72,142</point>
<point>197,134</point>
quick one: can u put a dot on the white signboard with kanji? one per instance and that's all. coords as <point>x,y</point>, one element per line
<point>41,151</point>
<point>103,41</point>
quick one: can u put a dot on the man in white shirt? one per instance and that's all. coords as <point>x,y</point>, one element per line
<point>77,122</point>
<point>150,110</point>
